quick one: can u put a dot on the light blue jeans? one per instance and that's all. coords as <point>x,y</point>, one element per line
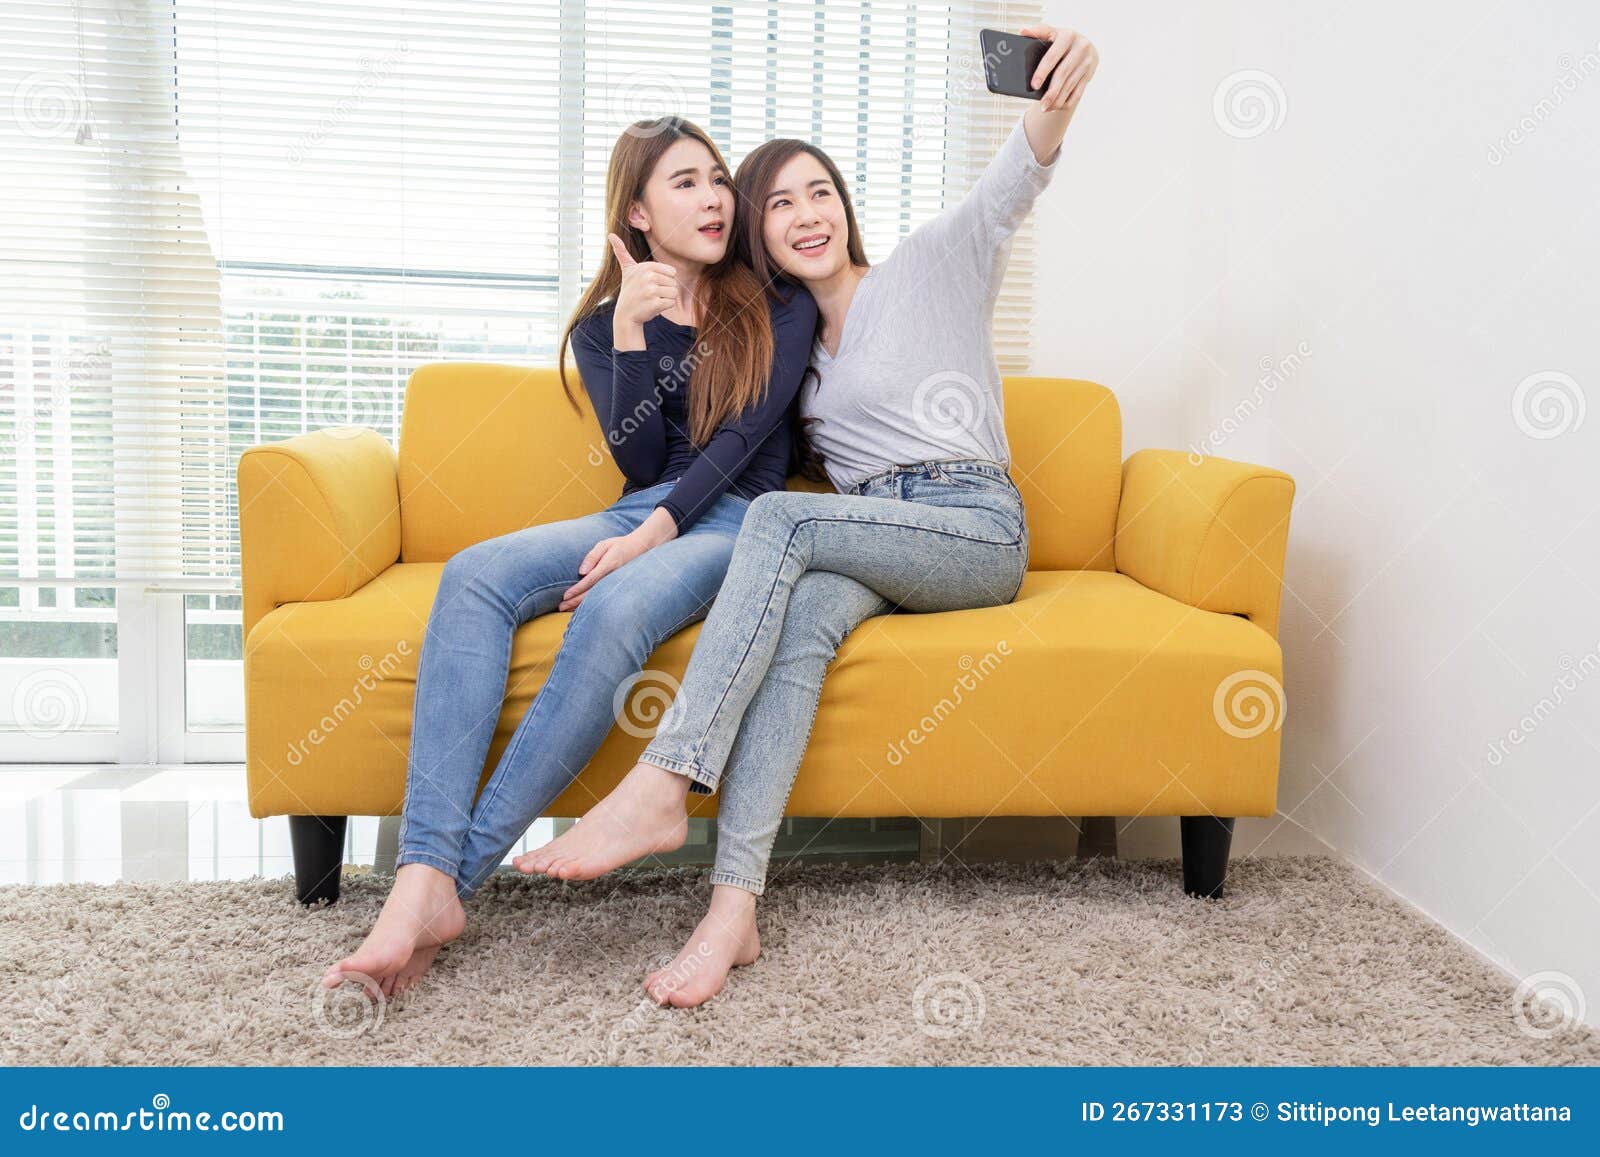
<point>935,536</point>
<point>487,591</point>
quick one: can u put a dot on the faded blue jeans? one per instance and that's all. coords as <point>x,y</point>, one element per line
<point>935,536</point>
<point>487,591</point>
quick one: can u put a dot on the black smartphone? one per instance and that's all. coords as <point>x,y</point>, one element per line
<point>1009,61</point>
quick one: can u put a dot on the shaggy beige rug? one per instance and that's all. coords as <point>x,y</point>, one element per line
<point>1077,962</point>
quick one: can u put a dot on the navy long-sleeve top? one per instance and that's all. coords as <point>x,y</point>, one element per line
<point>641,398</point>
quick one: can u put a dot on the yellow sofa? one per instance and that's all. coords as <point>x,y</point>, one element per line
<point>1137,673</point>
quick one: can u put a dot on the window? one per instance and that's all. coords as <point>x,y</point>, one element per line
<point>226,224</point>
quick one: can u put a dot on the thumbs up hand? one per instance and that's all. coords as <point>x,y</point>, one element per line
<point>649,288</point>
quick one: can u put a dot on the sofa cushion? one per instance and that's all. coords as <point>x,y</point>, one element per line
<point>1088,687</point>
<point>488,449</point>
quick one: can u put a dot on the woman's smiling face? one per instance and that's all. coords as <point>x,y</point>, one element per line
<point>804,225</point>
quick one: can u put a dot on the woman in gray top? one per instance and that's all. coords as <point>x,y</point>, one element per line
<point>905,413</point>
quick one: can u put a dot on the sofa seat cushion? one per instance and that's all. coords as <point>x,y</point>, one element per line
<point>1089,688</point>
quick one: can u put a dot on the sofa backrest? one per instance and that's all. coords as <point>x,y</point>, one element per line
<point>488,449</point>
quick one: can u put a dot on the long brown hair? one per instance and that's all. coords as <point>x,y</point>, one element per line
<point>757,174</point>
<point>734,347</point>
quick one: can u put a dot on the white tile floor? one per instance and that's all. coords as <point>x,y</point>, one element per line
<point>101,824</point>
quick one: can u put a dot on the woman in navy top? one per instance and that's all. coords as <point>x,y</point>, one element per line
<point>649,441</point>
<point>692,365</point>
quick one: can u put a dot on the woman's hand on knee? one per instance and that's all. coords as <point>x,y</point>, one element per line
<point>609,554</point>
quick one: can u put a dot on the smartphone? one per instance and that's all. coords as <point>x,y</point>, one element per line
<point>1009,61</point>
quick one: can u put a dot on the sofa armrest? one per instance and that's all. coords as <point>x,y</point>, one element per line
<point>319,518</point>
<point>1211,533</point>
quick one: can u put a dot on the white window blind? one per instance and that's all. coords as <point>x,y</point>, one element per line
<point>230,221</point>
<point>111,359</point>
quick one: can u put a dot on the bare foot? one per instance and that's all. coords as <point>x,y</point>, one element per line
<point>643,815</point>
<point>422,912</point>
<point>408,976</point>
<point>724,939</point>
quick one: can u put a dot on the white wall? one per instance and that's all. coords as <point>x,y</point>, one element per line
<point>1443,575</point>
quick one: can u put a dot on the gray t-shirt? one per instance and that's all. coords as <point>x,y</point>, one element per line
<point>915,378</point>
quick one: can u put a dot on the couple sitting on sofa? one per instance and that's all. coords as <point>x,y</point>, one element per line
<point>715,299</point>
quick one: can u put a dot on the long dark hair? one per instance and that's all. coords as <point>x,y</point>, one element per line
<point>738,352</point>
<point>757,174</point>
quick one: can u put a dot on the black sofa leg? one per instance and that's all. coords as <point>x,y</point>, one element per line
<point>1205,854</point>
<point>318,856</point>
